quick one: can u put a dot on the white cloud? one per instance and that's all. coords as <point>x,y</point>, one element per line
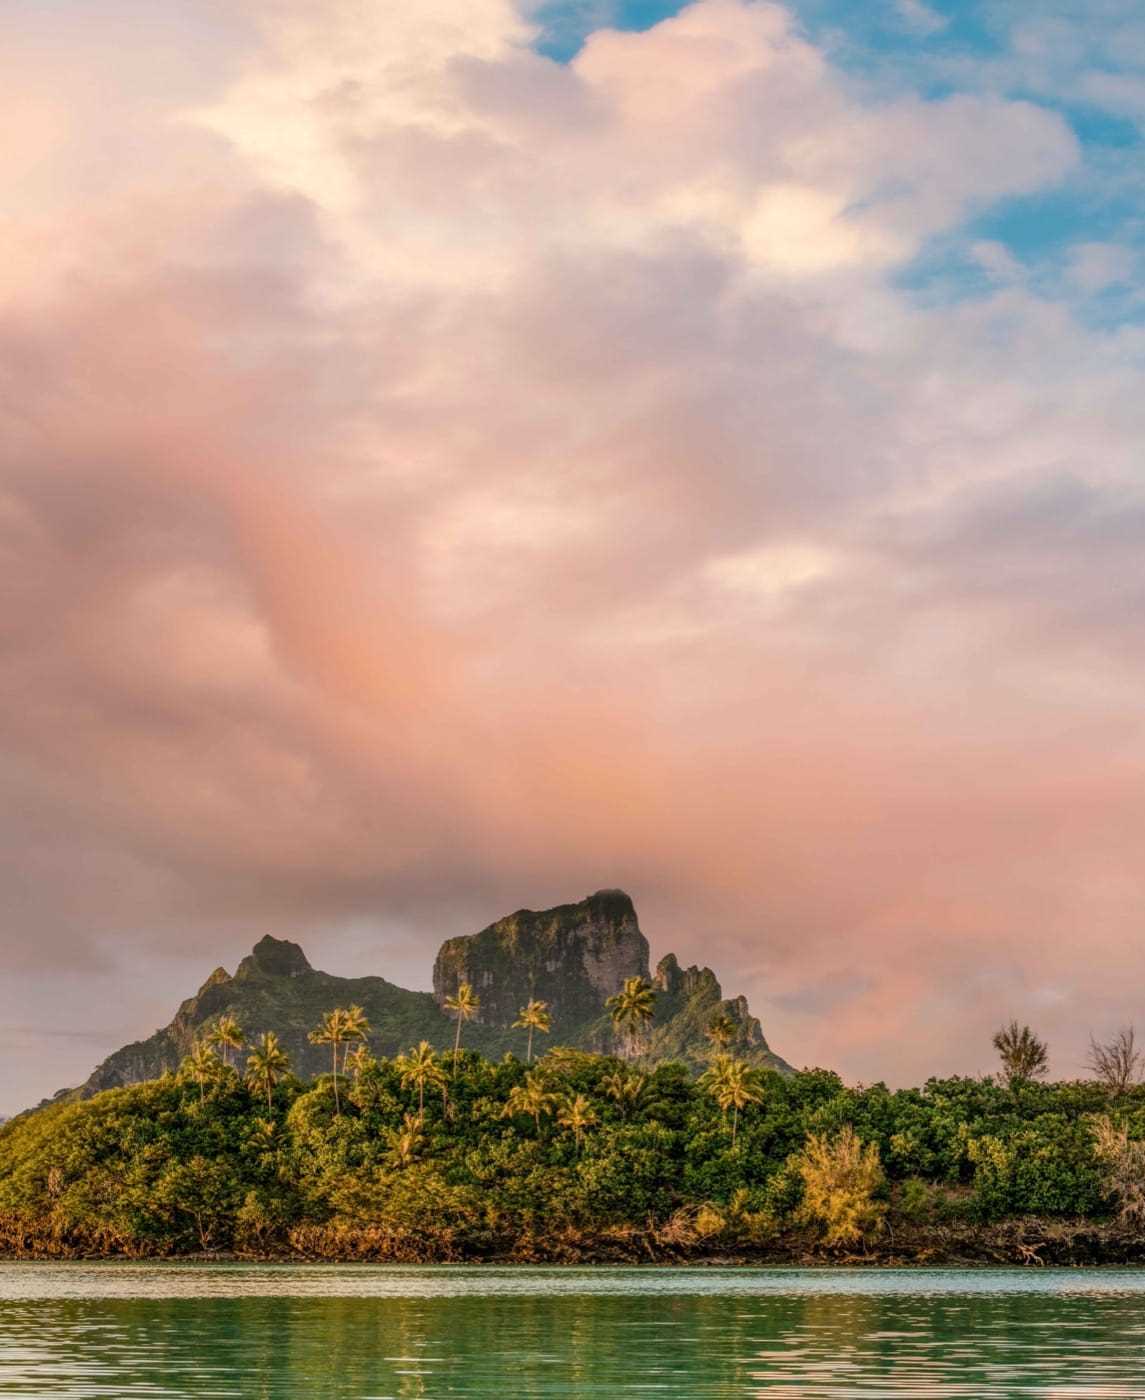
<point>996,260</point>
<point>422,147</point>
<point>921,17</point>
<point>775,570</point>
<point>1095,266</point>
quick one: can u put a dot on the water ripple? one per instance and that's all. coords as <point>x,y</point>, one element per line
<point>83,1332</point>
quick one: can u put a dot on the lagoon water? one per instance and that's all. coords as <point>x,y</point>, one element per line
<point>267,1332</point>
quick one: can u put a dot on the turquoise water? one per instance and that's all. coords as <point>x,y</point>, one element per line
<point>314,1333</point>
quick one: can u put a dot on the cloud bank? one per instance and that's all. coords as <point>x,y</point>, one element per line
<point>436,479</point>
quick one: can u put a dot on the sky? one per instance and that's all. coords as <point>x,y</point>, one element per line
<point>458,456</point>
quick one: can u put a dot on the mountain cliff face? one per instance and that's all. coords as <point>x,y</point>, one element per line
<point>689,998</point>
<point>573,957</point>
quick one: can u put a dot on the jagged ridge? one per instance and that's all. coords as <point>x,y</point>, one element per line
<point>573,956</point>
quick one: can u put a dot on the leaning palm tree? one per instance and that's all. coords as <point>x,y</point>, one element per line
<point>577,1115</point>
<point>632,1009</point>
<point>733,1084</point>
<point>626,1088</point>
<point>534,1017</point>
<point>464,1004</point>
<point>266,1064</point>
<point>419,1069</point>
<point>721,1030</point>
<point>532,1097</point>
<point>227,1034</point>
<point>357,1060</point>
<point>335,1029</point>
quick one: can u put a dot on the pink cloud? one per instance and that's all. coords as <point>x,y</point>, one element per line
<point>435,480</point>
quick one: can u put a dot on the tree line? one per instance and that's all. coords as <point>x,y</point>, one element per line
<point>430,1155</point>
<point>732,1083</point>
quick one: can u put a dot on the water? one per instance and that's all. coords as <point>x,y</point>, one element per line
<point>265,1332</point>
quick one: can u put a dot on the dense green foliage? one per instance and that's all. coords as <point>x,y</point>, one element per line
<point>579,1155</point>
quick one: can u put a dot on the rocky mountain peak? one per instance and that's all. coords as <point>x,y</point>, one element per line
<point>219,978</point>
<point>677,981</point>
<point>573,957</point>
<point>274,957</point>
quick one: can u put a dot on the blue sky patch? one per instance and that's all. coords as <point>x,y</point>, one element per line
<point>939,47</point>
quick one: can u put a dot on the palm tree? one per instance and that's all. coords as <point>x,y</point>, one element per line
<point>534,1017</point>
<point>337,1027</point>
<point>227,1035</point>
<point>733,1084</point>
<point>406,1141</point>
<point>266,1064</point>
<point>356,1028</point>
<point>631,1010</point>
<point>577,1114</point>
<point>266,1130</point>
<point>625,1087</point>
<point>357,1060</point>
<point>202,1065</point>
<point>464,1005</point>
<point>419,1068</point>
<point>531,1097</point>
<point>721,1030</point>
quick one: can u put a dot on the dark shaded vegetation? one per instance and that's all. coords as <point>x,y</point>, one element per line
<point>577,1156</point>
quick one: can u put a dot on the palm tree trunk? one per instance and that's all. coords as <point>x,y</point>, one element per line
<point>735,1122</point>
<point>530,1045</point>
<point>456,1045</point>
<point>421,1097</point>
<point>269,1105</point>
<point>337,1102</point>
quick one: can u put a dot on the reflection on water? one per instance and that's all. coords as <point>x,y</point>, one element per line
<point>279,1333</point>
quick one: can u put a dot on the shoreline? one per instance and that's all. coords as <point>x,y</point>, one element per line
<point>1026,1242</point>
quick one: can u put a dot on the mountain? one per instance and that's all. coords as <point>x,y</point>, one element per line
<point>573,957</point>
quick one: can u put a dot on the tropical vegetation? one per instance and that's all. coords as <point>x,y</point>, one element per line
<point>534,1017</point>
<point>632,1010</point>
<point>578,1156</point>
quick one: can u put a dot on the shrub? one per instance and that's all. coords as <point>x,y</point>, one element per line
<point>1123,1163</point>
<point>841,1179</point>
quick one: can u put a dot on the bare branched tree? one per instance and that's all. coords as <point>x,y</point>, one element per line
<point>1023,1055</point>
<point>1117,1062</point>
